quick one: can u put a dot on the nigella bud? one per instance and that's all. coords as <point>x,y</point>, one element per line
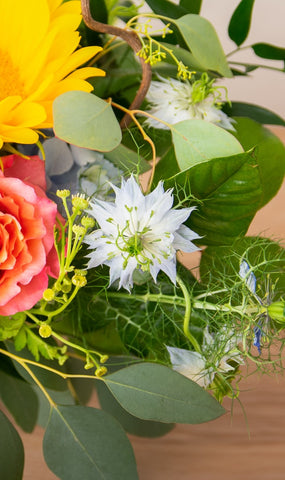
<point>276,311</point>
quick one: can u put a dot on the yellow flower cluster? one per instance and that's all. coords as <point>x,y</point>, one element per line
<point>39,60</point>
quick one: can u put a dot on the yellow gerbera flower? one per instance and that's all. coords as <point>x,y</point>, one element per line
<point>38,62</point>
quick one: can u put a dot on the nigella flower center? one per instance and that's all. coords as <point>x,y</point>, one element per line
<point>134,245</point>
<point>10,80</point>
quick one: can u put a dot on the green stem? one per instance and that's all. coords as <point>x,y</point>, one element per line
<point>257,65</point>
<point>187,315</point>
<point>167,299</point>
<point>23,362</point>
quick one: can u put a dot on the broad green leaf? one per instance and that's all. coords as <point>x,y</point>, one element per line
<point>20,400</point>
<point>83,442</point>
<point>240,22</point>
<point>155,392</point>
<point>203,42</point>
<point>184,56</point>
<point>133,425</point>
<point>230,190</point>
<point>269,155</point>
<point>11,451</point>
<point>197,141</point>
<point>259,114</point>
<point>82,119</point>
<point>47,378</point>
<point>60,398</point>
<point>192,6</point>
<point>265,50</point>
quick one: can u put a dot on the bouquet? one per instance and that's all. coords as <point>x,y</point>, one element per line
<point>121,155</point>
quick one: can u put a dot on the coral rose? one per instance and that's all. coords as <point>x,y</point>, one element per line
<point>27,219</point>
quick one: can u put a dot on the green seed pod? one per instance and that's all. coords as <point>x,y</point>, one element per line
<point>276,311</point>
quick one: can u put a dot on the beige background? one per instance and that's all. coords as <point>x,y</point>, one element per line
<point>223,450</point>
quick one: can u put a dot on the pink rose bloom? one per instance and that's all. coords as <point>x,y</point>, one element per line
<point>27,219</point>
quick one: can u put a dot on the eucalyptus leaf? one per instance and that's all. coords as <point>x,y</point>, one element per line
<point>47,378</point>
<point>203,42</point>
<point>20,400</point>
<point>269,155</point>
<point>255,112</point>
<point>132,424</point>
<point>82,119</point>
<point>240,22</point>
<point>166,8</point>
<point>230,190</point>
<point>265,50</point>
<point>192,6</point>
<point>197,141</point>
<point>127,160</point>
<point>83,442</point>
<point>11,451</point>
<point>154,392</point>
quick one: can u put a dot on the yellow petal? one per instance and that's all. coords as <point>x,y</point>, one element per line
<point>87,72</point>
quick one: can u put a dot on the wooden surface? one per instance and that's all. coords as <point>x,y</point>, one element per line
<point>230,448</point>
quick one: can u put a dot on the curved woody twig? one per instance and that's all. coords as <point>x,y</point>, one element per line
<point>132,39</point>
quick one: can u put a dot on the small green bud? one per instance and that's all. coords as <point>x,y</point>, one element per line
<point>276,311</point>
<point>48,295</point>
<point>63,193</point>
<point>45,331</point>
<point>80,202</point>
<point>104,358</point>
<point>78,230</point>
<point>100,371</point>
<point>88,222</point>
<point>79,280</point>
<point>66,285</point>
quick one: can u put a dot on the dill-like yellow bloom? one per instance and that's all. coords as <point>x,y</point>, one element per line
<point>38,62</point>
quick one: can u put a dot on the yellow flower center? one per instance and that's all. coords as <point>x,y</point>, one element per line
<point>10,82</point>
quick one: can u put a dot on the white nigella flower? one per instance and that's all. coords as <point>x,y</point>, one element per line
<point>174,101</point>
<point>138,231</point>
<point>216,353</point>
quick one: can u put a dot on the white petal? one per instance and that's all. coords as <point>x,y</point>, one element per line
<point>190,364</point>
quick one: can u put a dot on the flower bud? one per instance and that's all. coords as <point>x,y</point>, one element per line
<point>63,193</point>
<point>100,371</point>
<point>45,331</point>
<point>276,311</point>
<point>48,295</point>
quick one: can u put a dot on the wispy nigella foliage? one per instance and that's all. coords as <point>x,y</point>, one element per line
<point>138,231</point>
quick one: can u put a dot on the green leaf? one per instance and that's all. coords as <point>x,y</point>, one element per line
<point>11,451</point>
<point>87,121</point>
<point>184,56</point>
<point>265,50</point>
<point>166,8</point>
<point>192,6</point>
<point>240,22</point>
<point>203,42</point>
<point>94,447</point>
<point>255,112</point>
<point>47,378</point>
<point>269,155</point>
<point>10,326</point>
<point>127,160</point>
<point>21,401</point>
<point>155,392</point>
<point>197,141</point>
<point>132,424</point>
<point>230,190</point>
